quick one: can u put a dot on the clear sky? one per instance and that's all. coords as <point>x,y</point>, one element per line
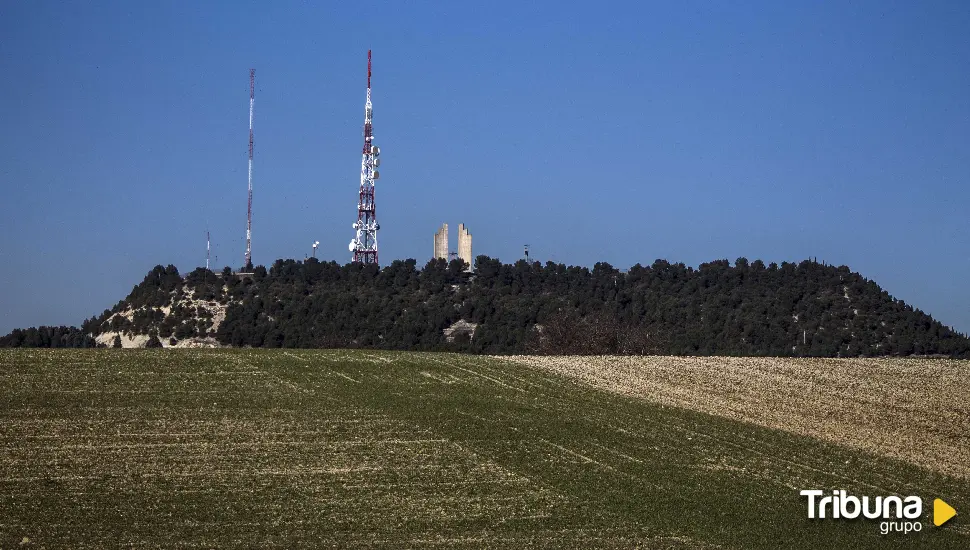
<point>621,132</point>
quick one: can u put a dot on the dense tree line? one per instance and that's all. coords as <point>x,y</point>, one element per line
<point>748,308</point>
<point>48,337</point>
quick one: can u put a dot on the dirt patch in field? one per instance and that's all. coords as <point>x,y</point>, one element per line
<point>917,410</point>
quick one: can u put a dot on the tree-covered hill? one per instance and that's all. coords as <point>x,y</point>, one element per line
<point>748,308</point>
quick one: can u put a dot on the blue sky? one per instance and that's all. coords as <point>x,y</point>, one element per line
<point>621,132</point>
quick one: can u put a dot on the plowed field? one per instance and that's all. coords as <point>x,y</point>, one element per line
<point>310,449</point>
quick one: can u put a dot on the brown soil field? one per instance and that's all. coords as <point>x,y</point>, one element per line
<point>229,448</point>
<point>917,410</point>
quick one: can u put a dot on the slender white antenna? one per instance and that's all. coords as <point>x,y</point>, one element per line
<point>249,208</point>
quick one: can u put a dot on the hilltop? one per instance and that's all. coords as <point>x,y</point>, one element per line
<point>718,308</point>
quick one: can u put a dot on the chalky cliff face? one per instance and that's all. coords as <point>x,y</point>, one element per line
<point>184,322</point>
<point>179,312</point>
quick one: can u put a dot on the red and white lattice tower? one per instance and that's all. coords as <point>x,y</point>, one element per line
<point>249,208</point>
<point>364,244</point>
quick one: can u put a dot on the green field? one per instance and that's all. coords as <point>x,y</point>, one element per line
<point>258,448</point>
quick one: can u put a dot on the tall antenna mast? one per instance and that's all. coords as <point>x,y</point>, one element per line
<point>249,208</point>
<point>364,244</point>
<point>207,249</point>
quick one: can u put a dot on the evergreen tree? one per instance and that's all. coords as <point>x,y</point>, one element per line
<point>748,308</point>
